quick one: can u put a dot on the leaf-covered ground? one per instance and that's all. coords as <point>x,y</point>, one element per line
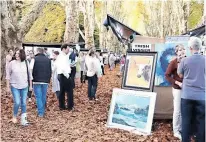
<point>85,124</point>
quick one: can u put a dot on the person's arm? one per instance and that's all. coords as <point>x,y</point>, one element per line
<point>8,76</point>
<point>50,69</point>
<point>168,73</point>
<point>180,69</point>
<point>30,76</point>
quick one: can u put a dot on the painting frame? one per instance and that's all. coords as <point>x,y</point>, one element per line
<point>150,85</point>
<point>113,116</point>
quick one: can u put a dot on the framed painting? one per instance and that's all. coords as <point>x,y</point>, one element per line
<point>139,71</point>
<point>132,111</point>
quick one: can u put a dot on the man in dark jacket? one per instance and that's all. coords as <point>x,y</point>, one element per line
<point>41,71</point>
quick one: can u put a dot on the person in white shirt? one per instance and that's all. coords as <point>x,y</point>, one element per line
<point>112,59</point>
<point>64,77</point>
<point>101,62</point>
<point>55,81</point>
<point>93,71</point>
<point>31,63</point>
<point>82,62</point>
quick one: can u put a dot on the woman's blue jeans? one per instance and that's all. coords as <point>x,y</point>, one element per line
<point>19,97</point>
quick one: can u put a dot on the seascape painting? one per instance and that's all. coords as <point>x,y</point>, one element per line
<point>132,110</point>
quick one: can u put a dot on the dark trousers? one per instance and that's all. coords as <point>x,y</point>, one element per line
<point>29,94</point>
<point>102,69</point>
<point>65,86</point>
<point>115,62</point>
<point>92,86</point>
<point>73,73</point>
<point>57,94</point>
<point>193,113</point>
<point>82,78</point>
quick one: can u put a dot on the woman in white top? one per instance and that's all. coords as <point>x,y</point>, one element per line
<point>93,71</point>
<point>112,59</point>
<point>18,76</point>
<point>101,62</point>
<point>55,81</point>
<point>31,61</point>
<point>82,62</point>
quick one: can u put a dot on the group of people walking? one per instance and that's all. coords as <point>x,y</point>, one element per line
<point>187,76</point>
<point>27,73</point>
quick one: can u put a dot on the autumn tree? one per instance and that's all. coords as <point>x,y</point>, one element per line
<point>72,21</point>
<point>13,26</point>
<point>87,8</point>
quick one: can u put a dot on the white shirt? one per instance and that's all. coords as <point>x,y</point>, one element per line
<point>101,60</point>
<point>32,64</point>
<point>90,66</point>
<point>63,64</point>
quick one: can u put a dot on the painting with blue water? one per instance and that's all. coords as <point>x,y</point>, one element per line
<point>166,53</point>
<point>132,109</point>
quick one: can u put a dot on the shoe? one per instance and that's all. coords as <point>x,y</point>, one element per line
<point>14,120</point>
<point>41,116</point>
<point>30,100</point>
<point>24,121</point>
<point>71,109</point>
<point>178,135</point>
<point>62,108</point>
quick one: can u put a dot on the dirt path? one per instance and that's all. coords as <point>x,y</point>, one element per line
<point>85,124</point>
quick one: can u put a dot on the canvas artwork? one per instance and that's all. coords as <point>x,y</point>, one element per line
<point>50,50</point>
<point>139,71</point>
<point>166,53</point>
<point>132,110</point>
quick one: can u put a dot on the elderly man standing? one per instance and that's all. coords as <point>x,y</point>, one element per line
<point>192,70</point>
<point>41,71</point>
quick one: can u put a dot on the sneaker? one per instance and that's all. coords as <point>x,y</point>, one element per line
<point>178,135</point>
<point>30,100</point>
<point>24,121</point>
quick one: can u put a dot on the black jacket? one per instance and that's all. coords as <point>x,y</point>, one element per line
<point>42,69</point>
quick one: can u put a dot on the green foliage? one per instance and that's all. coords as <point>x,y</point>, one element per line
<point>50,25</point>
<point>196,13</point>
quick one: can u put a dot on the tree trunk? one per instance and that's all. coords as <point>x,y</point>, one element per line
<point>11,33</point>
<point>89,23</point>
<point>30,18</point>
<point>103,31</point>
<point>71,34</point>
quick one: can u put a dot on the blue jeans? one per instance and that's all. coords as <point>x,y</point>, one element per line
<point>193,118</point>
<point>40,91</point>
<point>92,86</point>
<point>19,97</point>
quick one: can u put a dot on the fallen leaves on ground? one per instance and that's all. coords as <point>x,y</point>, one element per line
<point>85,124</point>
